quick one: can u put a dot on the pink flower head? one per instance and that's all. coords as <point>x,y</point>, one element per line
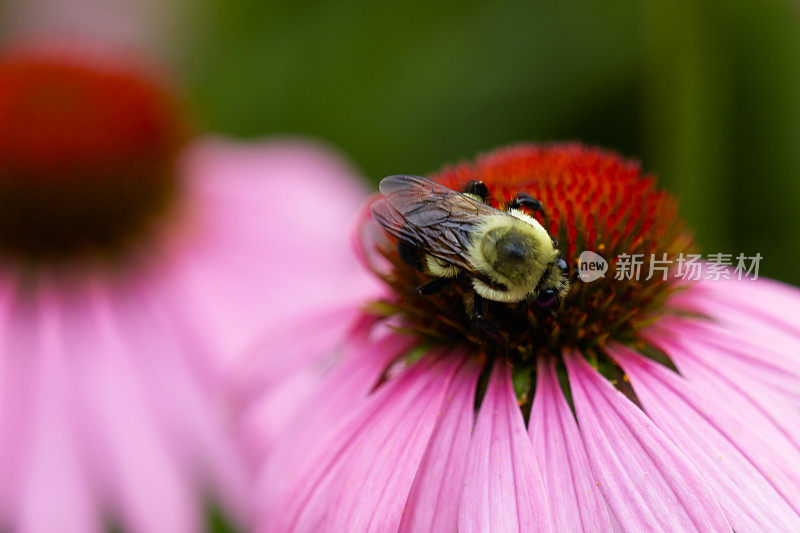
<point>133,268</point>
<point>634,403</point>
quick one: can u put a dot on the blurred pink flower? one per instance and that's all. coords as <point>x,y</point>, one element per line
<point>140,24</point>
<point>398,416</point>
<point>120,320</point>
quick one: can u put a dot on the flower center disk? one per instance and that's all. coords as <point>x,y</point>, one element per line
<point>593,201</point>
<point>87,150</point>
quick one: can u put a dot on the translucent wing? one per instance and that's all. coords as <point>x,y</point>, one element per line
<point>430,216</point>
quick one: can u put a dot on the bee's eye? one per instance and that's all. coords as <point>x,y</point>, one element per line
<point>546,297</point>
<point>562,265</point>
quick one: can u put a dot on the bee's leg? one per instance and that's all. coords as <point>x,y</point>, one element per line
<point>477,307</point>
<point>479,323</point>
<point>527,201</point>
<point>478,190</point>
<point>469,305</point>
<point>564,268</point>
<point>434,287</point>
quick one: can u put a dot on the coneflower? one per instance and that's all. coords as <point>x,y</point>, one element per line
<point>132,270</point>
<point>649,402</point>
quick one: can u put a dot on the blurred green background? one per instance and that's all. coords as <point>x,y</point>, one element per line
<point>705,93</point>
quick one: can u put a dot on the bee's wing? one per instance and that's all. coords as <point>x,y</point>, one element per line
<point>430,216</point>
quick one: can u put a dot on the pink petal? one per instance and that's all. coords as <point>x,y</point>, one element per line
<point>574,498</point>
<point>284,372</point>
<point>731,306</point>
<point>18,390</point>
<point>55,493</point>
<point>377,473</point>
<point>250,200</point>
<point>300,342</point>
<point>771,438</point>
<point>336,398</point>
<point>264,421</point>
<point>121,438</point>
<point>189,412</point>
<point>647,481</point>
<point>772,366</point>
<point>362,482</point>
<point>436,493</point>
<point>704,431</point>
<point>503,488</point>
<point>771,299</point>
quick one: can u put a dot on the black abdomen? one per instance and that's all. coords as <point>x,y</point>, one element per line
<point>411,255</point>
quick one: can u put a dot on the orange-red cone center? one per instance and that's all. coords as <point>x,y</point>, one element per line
<point>87,149</point>
<point>593,201</point>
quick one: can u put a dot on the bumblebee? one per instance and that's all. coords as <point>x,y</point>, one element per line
<point>506,254</point>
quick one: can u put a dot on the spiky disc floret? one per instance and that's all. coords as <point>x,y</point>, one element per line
<point>87,147</point>
<point>593,200</point>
